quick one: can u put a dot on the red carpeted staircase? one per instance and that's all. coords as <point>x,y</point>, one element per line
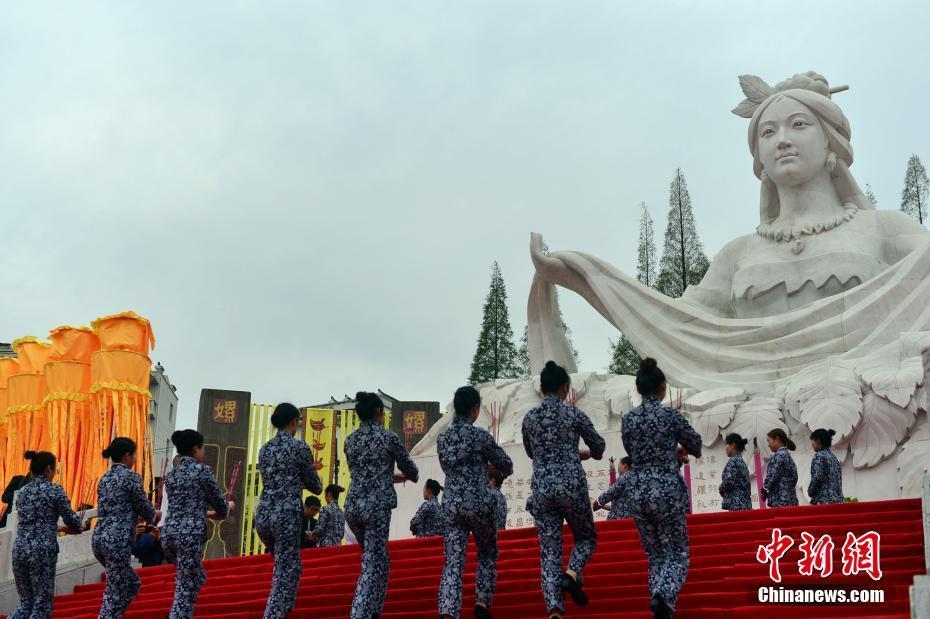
<point>723,580</point>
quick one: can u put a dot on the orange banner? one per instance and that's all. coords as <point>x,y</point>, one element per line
<point>74,432</point>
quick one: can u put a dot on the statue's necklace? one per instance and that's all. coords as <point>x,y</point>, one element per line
<point>792,234</point>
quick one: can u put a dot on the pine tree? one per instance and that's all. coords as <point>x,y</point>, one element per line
<point>623,357</point>
<point>683,261</point>
<point>870,195</point>
<point>916,193</point>
<point>647,249</point>
<point>496,355</point>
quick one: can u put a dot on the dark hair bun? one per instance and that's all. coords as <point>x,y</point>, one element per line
<point>29,455</point>
<point>649,378</point>
<point>105,453</point>
<point>552,378</point>
<point>832,432</point>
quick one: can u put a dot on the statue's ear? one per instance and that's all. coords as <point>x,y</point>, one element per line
<point>847,188</point>
<point>769,207</point>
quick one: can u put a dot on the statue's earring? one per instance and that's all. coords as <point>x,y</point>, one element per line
<point>831,161</point>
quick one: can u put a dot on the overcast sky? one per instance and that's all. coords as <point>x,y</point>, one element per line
<point>306,198</point>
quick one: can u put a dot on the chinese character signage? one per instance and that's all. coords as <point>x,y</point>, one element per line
<point>225,411</point>
<point>412,420</point>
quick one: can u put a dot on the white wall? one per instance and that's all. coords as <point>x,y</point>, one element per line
<point>873,484</point>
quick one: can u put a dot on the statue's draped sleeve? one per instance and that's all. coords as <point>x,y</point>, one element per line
<point>698,348</point>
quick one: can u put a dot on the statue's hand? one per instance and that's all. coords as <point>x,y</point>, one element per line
<point>547,267</point>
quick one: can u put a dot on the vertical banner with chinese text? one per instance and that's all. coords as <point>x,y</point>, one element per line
<point>224,422</point>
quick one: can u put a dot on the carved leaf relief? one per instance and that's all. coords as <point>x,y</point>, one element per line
<point>896,381</point>
<point>884,425</point>
<point>709,423</point>
<point>828,395</point>
<point>745,109</point>
<point>755,88</point>
<point>754,419</point>
<point>914,460</point>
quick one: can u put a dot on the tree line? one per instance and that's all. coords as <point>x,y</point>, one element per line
<point>683,263</point>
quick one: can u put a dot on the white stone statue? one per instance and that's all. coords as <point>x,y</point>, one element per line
<point>821,318</point>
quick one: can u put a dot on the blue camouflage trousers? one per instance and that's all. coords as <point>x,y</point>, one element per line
<point>34,571</point>
<point>659,506</point>
<point>371,529</point>
<point>280,532</point>
<point>122,581</point>
<point>185,553</point>
<point>549,512</point>
<point>458,528</point>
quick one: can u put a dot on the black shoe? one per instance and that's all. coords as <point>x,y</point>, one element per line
<point>660,609</point>
<point>579,597</point>
<point>481,612</point>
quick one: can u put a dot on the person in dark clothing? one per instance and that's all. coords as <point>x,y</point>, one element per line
<point>147,548</point>
<point>312,507</point>
<point>15,484</point>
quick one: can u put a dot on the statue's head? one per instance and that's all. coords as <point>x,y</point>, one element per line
<point>797,132</point>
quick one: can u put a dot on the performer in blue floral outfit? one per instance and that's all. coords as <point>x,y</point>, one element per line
<point>371,452</point>
<point>495,481</point>
<point>658,495</point>
<point>618,495</point>
<point>121,501</point>
<point>191,489</point>
<point>39,504</point>
<point>287,469</point>
<point>551,432</point>
<point>826,484</point>
<point>331,526</point>
<point>428,521</point>
<point>734,481</point>
<point>781,475</point>
<point>465,453</point>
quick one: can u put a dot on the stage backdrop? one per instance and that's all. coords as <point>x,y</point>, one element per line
<point>703,472</point>
<point>224,423</point>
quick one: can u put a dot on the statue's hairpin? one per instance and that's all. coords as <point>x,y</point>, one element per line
<point>757,91</point>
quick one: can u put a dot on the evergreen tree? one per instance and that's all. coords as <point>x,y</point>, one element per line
<point>916,193</point>
<point>623,357</point>
<point>683,260</point>
<point>496,355</point>
<point>647,250</point>
<point>870,195</point>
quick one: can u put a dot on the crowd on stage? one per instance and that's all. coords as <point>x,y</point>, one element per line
<point>650,489</point>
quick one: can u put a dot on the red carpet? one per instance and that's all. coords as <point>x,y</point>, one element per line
<point>722,582</point>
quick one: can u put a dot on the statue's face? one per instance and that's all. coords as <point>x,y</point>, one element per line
<point>792,144</point>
